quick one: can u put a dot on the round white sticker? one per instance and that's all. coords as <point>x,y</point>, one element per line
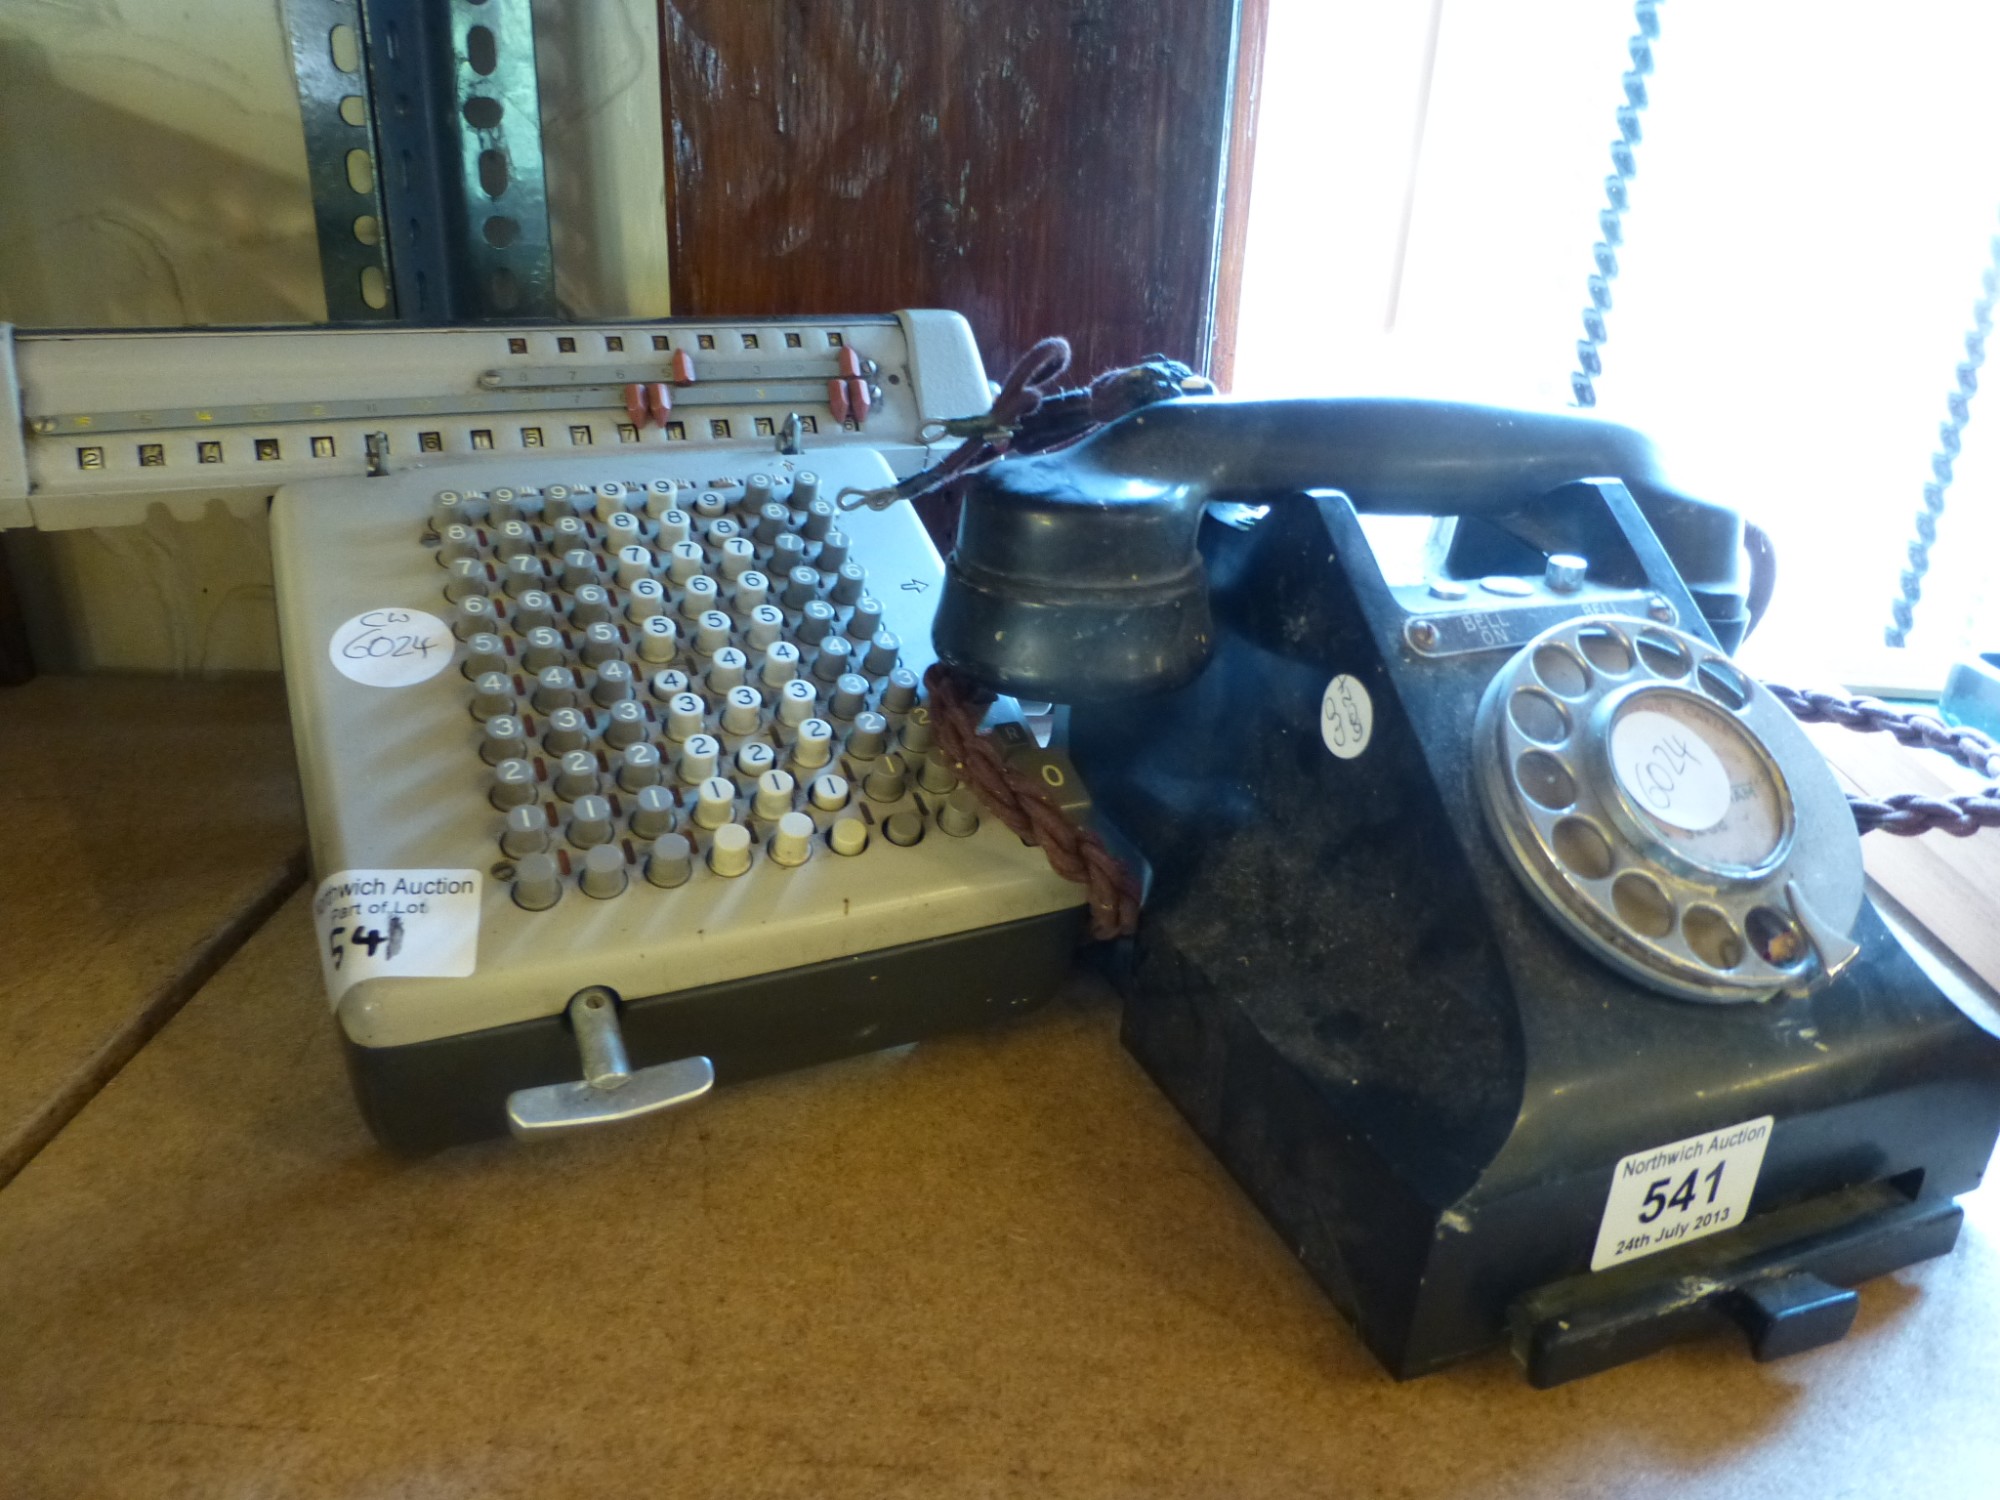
<point>1670,770</point>
<point>1346,717</point>
<point>391,647</point>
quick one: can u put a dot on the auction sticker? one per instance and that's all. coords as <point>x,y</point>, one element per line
<point>391,647</point>
<point>407,924</point>
<point>1346,717</point>
<point>1670,770</point>
<point>1680,1192</point>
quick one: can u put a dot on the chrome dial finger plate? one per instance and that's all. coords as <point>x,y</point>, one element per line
<point>1666,809</point>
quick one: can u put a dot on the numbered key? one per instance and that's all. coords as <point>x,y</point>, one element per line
<point>653,813</point>
<point>647,600</point>
<point>797,701</point>
<point>625,722</point>
<point>568,731</point>
<point>534,610</point>
<point>601,643</point>
<point>590,823</point>
<point>773,798</point>
<point>465,577</point>
<point>726,670</point>
<point>687,716</point>
<point>819,518</point>
<point>484,652</point>
<point>899,693</point>
<point>527,832</point>
<point>513,784</point>
<point>698,759</point>
<point>544,649</point>
<point>715,802</point>
<point>492,694</point>
<point>815,622</point>
<point>639,768</point>
<point>613,686</point>
<point>814,746</point>
<point>742,709</point>
<point>577,776</point>
<point>502,739</point>
<point>659,640</point>
<point>555,687</point>
<point>635,563</point>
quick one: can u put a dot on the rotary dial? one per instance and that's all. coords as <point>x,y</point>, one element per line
<point>1667,810</point>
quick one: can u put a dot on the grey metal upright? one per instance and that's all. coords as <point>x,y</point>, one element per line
<point>423,140</point>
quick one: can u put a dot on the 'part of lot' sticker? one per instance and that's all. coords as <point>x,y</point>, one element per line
<point>406,923</point>
<point>391,647</point>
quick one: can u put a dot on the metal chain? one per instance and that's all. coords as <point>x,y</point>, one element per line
<point>1611,218</point>
<point>1958,406</point>
<point>1908,813</point>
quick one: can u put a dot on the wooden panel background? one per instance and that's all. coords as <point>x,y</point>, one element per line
<point>1043,166</point>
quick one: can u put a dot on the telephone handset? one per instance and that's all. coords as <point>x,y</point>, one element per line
<point>1076,575</point>
<point>1363,787</point>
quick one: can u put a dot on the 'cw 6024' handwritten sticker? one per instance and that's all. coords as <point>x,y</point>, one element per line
<point>391,647</point>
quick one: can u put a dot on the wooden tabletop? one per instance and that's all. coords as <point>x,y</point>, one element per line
<point>154,822</point>
<point>996,1264</point>
<point>991,1265</point>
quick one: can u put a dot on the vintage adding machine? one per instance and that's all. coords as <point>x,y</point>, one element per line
<point>610,721</point>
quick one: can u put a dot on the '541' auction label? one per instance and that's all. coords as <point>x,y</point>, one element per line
<point>1670,1195</point>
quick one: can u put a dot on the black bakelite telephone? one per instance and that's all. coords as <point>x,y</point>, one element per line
<point>1505,940</point>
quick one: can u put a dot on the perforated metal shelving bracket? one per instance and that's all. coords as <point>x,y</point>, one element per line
<point>336,109</point>
<point>424,151</point>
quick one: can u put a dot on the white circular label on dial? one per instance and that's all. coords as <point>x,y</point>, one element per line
<point>391,647</point>
<point>1670,770</point>
<point>1346,717</point>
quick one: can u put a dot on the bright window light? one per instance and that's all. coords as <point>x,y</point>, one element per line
<point>1810,218</point>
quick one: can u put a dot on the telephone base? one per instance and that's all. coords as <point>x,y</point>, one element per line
<point>1453,1114</point>
<point>424,1096</point>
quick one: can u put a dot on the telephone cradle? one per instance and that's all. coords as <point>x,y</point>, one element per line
<point>1504,940</point>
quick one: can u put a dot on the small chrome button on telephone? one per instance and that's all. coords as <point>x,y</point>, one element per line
<point>1564,572</point>
<point>1669,811</point>
<point>610,1089</point>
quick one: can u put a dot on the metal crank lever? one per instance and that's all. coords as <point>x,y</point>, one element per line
<point>610,1090</point>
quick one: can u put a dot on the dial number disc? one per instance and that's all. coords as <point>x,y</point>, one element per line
<point>1696,779</point>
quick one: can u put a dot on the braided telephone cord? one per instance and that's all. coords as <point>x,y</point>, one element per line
<point>1031,414</point>
<point>957,703</point>
<point>1908,813</point>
